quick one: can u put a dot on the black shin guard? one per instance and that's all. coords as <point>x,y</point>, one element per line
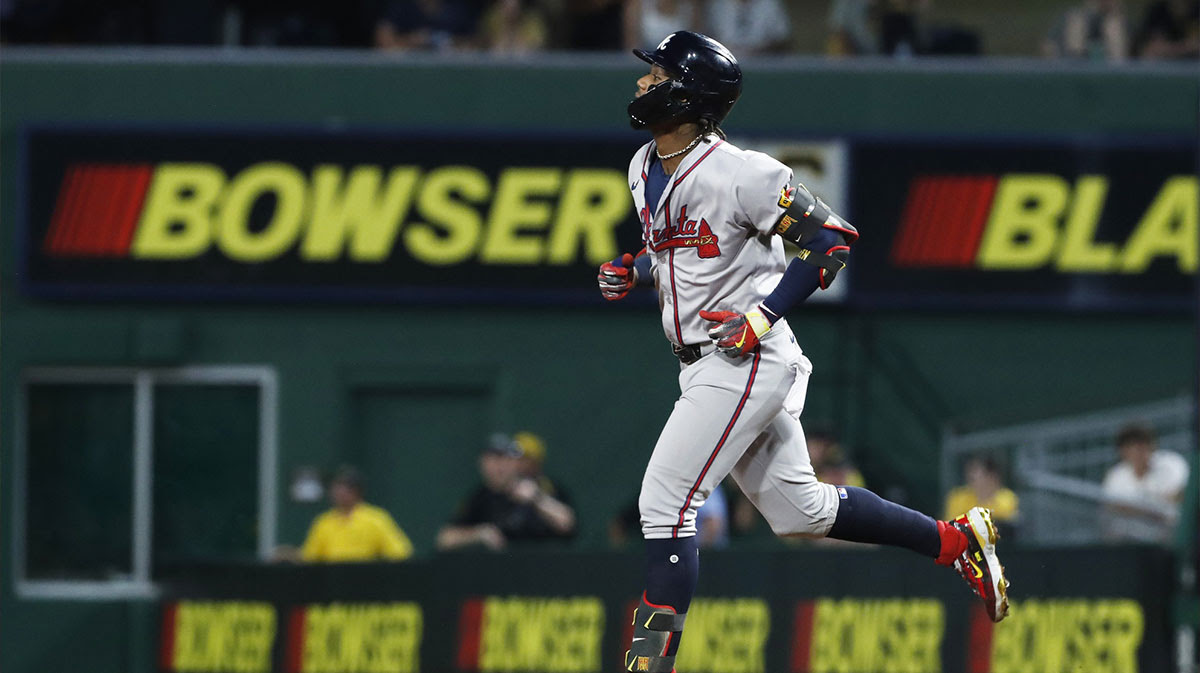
<point>654,627</point>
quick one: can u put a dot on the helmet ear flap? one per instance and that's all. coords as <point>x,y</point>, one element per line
<point>679,92</point>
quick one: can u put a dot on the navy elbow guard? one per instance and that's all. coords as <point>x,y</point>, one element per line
<point>807,221</point>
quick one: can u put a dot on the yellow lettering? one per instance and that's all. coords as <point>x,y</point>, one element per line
<point>726,635</point>
<point>889,635</point>
<point>529,635</point>
<point>459,224</point>
<point>1079,251</point>
<point>1169,228</point>
<point>176,220</point>
<point>362,638</point>
<point>513,209</point>
<point>212,637</point>
<point>1066,635</point>
<point>1023,228</point>
<point>358,210</point>
<point>593,203</point>
<point>235,237</point>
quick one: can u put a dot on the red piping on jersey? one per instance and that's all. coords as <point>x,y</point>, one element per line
<point>728,428</point>
<point>693,166</point>
<point>674,295</point>
<point>649,218</point>
<point>824,285</point>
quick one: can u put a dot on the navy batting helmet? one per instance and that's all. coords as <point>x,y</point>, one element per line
<point>706,81</point>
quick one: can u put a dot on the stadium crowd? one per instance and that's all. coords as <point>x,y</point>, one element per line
<point>1112,30</point>
<point>515,503</point>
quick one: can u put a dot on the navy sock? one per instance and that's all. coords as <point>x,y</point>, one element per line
<point>865,517</point>
<point>672,569</point>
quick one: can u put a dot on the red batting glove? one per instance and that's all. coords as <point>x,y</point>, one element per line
<point>617,277</point>
<point>736,334</point>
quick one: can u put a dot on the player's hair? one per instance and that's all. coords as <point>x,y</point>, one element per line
<point>1135,433</point>
<point>710,127</point>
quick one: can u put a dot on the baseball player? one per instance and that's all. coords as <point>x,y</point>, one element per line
<point>713,219</point>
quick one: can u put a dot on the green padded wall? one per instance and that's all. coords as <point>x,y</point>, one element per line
<point>889,381</point>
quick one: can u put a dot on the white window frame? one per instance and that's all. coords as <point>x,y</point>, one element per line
<point>143,380</point>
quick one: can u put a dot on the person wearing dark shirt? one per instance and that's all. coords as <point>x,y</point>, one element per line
<point>507,506</point>
<point>440,25</point>
<point>1170,30</point>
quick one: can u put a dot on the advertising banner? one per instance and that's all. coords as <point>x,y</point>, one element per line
<point>328,216</point>
<point>813,611</point>
<point>311,215</point>
<point>1094,225</point>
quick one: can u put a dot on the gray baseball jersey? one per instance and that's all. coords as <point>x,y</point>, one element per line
<point>710,235</point>
<point>712,247</point>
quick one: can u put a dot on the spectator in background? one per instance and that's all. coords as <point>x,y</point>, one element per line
<point>595,25</point>
<point>984,488</point>
<point>531,464</point>
<point>625,526</point>
<point>1144,489</point>
<point>850,32</point>
<point>647,22</point>
<point>1170,30</point>
<point>831,466</point>
<point>900,26</point>
<point>830,463</point>
<point>439,25</point>
<point>1096,30</point>
<point>750,26</point>
<point>507,506</point>
<point>712,521</point>
<point>513,27</point>
<point>354,530</point>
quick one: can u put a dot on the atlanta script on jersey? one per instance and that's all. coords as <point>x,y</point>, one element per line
<point>710,236</point>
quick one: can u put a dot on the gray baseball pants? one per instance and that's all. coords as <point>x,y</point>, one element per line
<point>738,416</point>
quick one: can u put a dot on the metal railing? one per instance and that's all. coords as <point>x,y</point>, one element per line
<point>1057,466</point>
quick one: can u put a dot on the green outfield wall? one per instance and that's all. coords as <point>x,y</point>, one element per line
<point>360,383</point>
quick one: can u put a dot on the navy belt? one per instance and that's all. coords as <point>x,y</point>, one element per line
<point>689,354</point>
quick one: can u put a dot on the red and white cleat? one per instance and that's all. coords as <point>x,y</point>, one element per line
<point>978,563</point>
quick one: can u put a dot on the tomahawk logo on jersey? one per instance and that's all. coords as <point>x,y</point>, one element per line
<point>687,233</point>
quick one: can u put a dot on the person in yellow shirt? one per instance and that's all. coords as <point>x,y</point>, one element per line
<point>354,530</point>
<point>983,489</point>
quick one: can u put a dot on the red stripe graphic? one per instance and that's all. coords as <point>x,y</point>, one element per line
<point>470,627</point>
<point>66,196</point>
<point>166,656</point>
<point>104,197</point>
<point>717,449</point>
<point>978,219</point>
<point>979,641</point>
<point>293,656</point>
<point>929,224</point>
<point>943,221</point>
<point>903,249</point>
<point>674,295</point>
<point>802,636</point>
<point>75,215</point>
<point>956,202</point>
<point>97,210</point>
<point>693,166</point>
